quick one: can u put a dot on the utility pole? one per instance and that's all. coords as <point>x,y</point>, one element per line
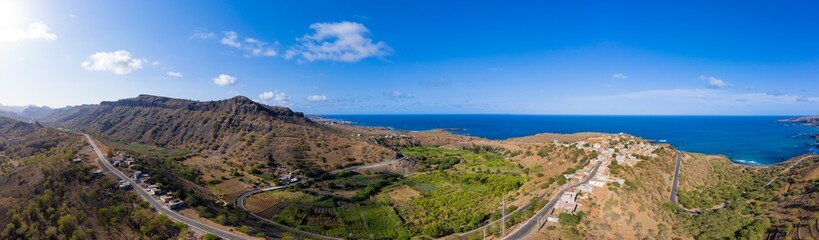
<point>503,217</point>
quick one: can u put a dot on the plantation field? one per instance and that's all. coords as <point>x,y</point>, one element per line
<point>373,221</point>
<point>460,202</point>
<point>459,190</point>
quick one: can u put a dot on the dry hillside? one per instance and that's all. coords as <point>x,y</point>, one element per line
<point>236,129</point>
<point>43,195</point>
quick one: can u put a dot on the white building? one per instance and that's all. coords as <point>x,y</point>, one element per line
<point>585,188</point>
<point>597,183</point>
<point>166,198</point>
<point>568,196</point>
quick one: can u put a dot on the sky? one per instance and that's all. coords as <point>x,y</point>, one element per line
<point>420,57</point>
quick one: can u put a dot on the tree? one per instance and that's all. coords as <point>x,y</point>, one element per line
<point>571,220</point>
<point>66,224</point>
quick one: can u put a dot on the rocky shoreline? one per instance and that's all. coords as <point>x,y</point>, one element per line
<point>806,120</point>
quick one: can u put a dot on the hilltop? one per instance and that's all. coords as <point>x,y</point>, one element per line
<point>237,129</point>
<point>209,152</point>
<point>44,194</point>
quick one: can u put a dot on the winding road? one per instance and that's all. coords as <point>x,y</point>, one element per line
<point>526,228</point>
<point>240,201</point>
<point>160,207</point>
<point>673,196</point>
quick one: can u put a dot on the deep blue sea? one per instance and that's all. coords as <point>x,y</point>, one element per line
<point>744,139</point>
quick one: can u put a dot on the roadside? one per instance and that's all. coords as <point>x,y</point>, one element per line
<point>156,205</point>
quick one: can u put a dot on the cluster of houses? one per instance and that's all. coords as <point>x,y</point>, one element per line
<point>622,148</point>
<point>619,148</point>
<point>155,190</point>
<point>329,121</point>
<point>124,160</point>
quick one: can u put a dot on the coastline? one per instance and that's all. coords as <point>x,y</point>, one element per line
<point>755,141</point>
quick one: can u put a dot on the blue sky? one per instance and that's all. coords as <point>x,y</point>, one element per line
<point>324,57</point>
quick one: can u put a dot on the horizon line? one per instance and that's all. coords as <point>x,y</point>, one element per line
<point>567,114</point>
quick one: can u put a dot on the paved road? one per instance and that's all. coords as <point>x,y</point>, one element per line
<point>160,207</point>
<point>240,201</point>
<point>675,182</point>
<point>673,196</point>
<point>526,228</point>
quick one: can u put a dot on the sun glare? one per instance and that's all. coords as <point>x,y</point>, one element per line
<point>11,14</point>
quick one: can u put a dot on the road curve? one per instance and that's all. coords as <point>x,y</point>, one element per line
<point>159,207</point>
<point>526,228</point>
<point>674,183</point>
<point>240,201</point>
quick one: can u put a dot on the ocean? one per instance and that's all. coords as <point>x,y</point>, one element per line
<point>756,140</point>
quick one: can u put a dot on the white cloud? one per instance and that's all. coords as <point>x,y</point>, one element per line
<point>277,96</point>
<point>202,34</point>
<point>619,76</point>
<point>34,31</point>
<point>225,80</point>
<point>266,96</point>
<point>338,41</point>
<point>174,74</point>
<point>119,62</point>
<point>714,82</point>
<point>230,40</point>
<point>316,98</point>
<point>250,46</point>
<point>708,95</point>
<point>398,94</point>
<point>155,63</point>
<point>685,101</point>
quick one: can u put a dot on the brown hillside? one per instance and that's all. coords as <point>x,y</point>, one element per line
<point>237,129</point>
<point>20,139</point>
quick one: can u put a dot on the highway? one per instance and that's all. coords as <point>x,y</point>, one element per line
<point>160,207</point>
<point>526,228</point>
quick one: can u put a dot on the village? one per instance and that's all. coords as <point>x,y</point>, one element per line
<point>143,180</point>
<point>621,148</point>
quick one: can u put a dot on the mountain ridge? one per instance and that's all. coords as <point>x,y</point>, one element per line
<point>235,128</point>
